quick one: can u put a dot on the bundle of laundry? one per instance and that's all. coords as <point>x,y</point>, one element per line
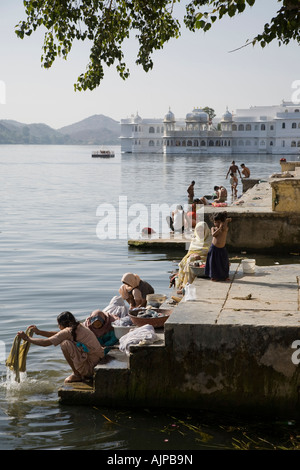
<point>139,336</point>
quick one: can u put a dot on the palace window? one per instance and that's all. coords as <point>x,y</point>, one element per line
<point>263,127</point>
<point>294,125</point>
<point>293,144</point>
<point>151,130</point>
<point>189,143</point>
<point>151,143</point>
<point>211,143</point>
<point>234,128</point>
<point>241,127</point>
<point>202,144</point>
<point>298,143</point>
<point>248,127</point>
<point>196,143</point>
<point>283,125</point>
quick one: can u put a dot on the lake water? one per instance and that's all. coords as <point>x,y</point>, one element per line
<point>52,260</point>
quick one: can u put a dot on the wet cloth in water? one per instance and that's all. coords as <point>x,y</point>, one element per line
<point>16,360</point>
<point>217,263</point>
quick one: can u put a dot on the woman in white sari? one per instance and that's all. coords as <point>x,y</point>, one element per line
<point>198,250</point>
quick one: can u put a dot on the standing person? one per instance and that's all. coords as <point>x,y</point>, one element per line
<point>191,193</point>
<point>134,290</point>
<point>234,182</point>
<point>233,169</point>
<point>245,171</point>
<point>79,345</point>
<point>217,263</point>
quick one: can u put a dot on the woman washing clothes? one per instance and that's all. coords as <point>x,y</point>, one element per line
<point>134,290</point>
<point>100,323</point>
<point>198,250</point>
<point>79,345</point>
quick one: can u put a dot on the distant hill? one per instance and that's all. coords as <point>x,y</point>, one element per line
<point>94,130</point>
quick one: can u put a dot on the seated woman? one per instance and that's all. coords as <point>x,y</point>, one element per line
<point>198,250</point>
<point>134,290</point>
<point>100,323</point>
<point>78,344</point>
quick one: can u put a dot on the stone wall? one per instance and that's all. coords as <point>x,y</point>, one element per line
<point>286,195</point>
<point>265,232</point>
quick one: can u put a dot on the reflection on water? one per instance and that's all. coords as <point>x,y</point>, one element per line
<point>52,260</point>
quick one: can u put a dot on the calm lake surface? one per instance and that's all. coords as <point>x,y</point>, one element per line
<point>52,260</point>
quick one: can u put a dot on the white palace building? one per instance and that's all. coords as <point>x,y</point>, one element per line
<point>259,129</point>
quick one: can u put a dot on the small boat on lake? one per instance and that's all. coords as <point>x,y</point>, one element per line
<point>103,154</point>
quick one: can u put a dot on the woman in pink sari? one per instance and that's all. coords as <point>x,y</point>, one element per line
<point>79,345</point>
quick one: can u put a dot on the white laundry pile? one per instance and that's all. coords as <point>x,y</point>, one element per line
<point>142,335</point>
<point>117,307</point>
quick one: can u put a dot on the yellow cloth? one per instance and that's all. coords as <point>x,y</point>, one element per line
<point>199,248</point>
<point>16,360</point>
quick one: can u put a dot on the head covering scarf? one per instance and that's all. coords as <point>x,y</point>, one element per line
<point>202,238</point>
<point>199,248</point>
<point>105,318</point>
<point>132,281</point>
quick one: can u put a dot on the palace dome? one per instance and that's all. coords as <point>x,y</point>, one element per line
<point>198,115</point>
<point>137,119</point>
<point>169,117</point>
<point>227,116</point>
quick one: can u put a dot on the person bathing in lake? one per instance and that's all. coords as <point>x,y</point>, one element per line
<point>79,345</point>
<point>134,290</point>
<point>233,182</point>
<point>217,263</point>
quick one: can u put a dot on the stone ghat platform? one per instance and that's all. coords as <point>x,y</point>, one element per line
<point>255,227</point>
<point>231,349</point>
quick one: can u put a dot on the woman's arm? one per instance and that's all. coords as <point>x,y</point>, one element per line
<point>138,299</point>
<point>47,334</point>
<point>37,341</point>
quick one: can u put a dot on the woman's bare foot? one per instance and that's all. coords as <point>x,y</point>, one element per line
<point>73,378</point>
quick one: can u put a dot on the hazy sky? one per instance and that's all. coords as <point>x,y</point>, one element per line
<point>195,70</point>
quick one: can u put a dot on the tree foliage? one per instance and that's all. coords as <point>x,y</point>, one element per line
<point>107,24</point>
